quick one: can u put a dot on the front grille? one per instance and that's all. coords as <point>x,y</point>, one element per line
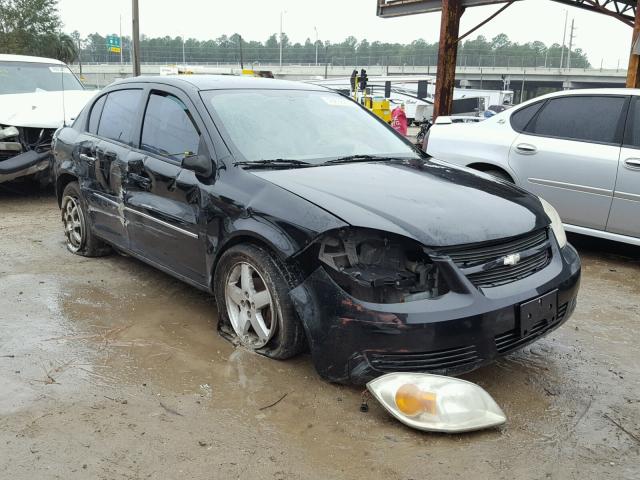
<point>511,273</point>
<point>37,138</point>
<point>465,257</point>
<point>426,361</point>
<point>511,340</point>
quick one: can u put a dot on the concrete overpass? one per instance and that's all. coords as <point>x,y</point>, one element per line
<point>537,80</point>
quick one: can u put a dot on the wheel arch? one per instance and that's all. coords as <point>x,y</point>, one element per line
<point>264,236</point>
<point>62,180</point>
<point>484,167</point>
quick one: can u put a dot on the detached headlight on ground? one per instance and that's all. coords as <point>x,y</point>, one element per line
<point>436,403</point>
<point>556,222</point>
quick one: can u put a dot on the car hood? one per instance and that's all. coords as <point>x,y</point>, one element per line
<point>434,203</point>
<point>42,109</point>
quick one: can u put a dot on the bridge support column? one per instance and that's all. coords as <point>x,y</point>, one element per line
<point>447,55</point>
<point>633,72</point>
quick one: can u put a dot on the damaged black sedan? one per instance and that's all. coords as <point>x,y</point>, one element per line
<point>314,224</point>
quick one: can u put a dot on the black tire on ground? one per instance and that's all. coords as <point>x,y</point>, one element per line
<point>502,175</point>
<point>74,208</point>
<point>288,339</point>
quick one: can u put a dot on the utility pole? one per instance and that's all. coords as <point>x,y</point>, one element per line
<point>564,37</point>
<point>79,57</point>
<point>241,60</point>
<point>121,44</point>
<point>281,14</point>
<point>570,44</point>
<point>135,20</point>
<point>633,72</point>
<point>447,54</point>
<point>184,61</point>
<point>316,30</point>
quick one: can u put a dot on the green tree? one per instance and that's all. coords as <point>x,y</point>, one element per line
<point>33,27</point>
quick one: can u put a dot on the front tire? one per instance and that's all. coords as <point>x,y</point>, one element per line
<point>78,236</point>
<point>252,287</point>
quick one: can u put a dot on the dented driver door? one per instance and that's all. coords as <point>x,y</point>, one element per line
<point>106,157</point>
<point>107,206</point>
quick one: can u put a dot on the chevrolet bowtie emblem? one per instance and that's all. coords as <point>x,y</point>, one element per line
<point>512,259</point>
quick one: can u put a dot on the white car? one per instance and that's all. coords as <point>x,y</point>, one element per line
<point>37,95</point>
<point>578,149</point>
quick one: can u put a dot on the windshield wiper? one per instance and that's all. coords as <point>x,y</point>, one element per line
<point>274,162</point>
<point>361,158</point>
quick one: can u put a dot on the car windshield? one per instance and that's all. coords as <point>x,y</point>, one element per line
<point>309,126</point>
<point>28,77</point>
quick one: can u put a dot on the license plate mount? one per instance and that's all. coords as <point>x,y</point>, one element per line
<point>541,309</point>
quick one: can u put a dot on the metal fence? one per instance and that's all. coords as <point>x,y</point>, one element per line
<point>302,57</point>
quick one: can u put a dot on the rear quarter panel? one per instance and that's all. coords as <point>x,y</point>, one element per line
<point>488,141</point>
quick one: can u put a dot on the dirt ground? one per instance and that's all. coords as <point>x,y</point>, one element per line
<point>110,369</point>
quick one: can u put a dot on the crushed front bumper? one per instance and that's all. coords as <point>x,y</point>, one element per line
<point>24,164</point>
<point>25,151</point>
<point>353,341</point>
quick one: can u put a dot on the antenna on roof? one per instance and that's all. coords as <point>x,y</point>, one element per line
<point>64,112</point>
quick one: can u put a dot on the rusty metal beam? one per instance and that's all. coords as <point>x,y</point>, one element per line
<point>633,72</point>
<point>620,10</point>
<point>447,54</point>
<point>485,21</point>
<point>623,10</point>
<point>398,8</point>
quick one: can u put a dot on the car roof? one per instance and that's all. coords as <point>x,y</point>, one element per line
<point>593,91</point>
<point>26,58</point>
<point>223,82</point>
<point>564,93</point>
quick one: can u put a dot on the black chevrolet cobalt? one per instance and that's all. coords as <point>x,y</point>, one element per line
<point>314,224</point>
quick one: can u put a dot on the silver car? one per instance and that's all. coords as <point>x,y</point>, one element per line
<point>579,149</point>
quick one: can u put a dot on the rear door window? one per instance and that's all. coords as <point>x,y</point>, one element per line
<point>632,130</point>
<point>96,111</point>
<point>594,119</point>
<point>168,128</point>
<point>521,118</point>
<point>119,114</point>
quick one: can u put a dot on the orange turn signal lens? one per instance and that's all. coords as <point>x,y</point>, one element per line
<point>412,401</point>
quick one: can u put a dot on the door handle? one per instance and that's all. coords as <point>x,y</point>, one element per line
<point>526,148</point>
<point>632,163</point>
<point>140,181</point>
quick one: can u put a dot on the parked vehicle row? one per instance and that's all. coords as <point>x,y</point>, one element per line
<point>579,149</point>
<point>315,225</point>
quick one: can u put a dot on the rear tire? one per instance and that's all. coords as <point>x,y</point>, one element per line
<point>78,235</point>
<point>251,288</point>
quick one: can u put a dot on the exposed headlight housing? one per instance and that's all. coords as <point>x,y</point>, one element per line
<point>436,403</point>
<point>8,132</point>
<point>556,222</point>
<point>380,267</point>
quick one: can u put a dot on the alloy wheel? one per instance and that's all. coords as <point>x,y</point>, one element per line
<point>250,306</point>
<point>72,220</point>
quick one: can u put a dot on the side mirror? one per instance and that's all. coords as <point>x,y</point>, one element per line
<point>199,163</point>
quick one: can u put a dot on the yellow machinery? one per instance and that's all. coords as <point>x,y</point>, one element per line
<point>379,106</point>
<point>257,73</point>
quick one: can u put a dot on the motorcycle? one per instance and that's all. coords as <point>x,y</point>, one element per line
<point>422,133</point>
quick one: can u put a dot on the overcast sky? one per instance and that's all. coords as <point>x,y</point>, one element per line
<point>602,37</point>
